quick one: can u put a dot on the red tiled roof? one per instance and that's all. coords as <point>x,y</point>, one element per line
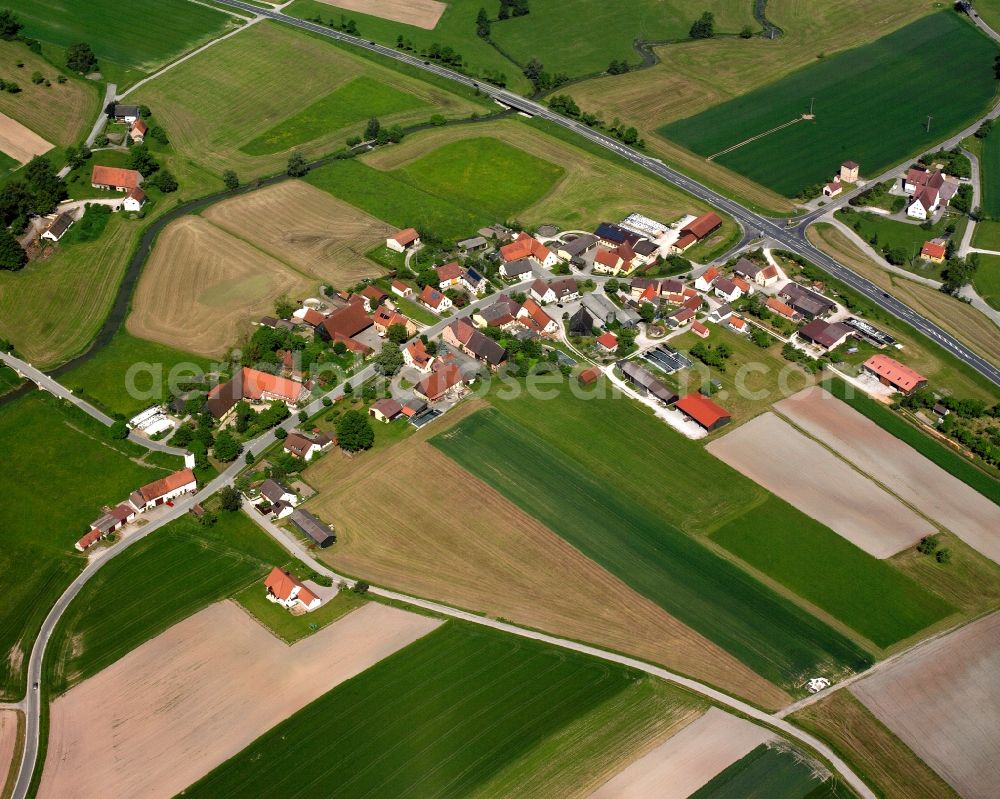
<point>137,194</point>
<point>256,384</point>
<point>779,307</point>
<point>89,539</point>
<point>702,409</point>
<point>280,583</point>
<point>399,284</point>
<point>140,126</point>
<point>608,340</point>
<point>407,236</point>
<point>165,485</point>
<point>607,258</point>
<point>312,317</point>
<point>536,313</point>
<point>373,293</point>
<point>896,373</point>
<point>347,321</point>
<point>699,329</point>
<point>418,352</point>
<point>589,375</point>
<point>450,271</point>
<point>436,384</point>
<point>741,284</point>
<point>523,246</point>
<point>685,241</point>
<point>703,225</point>
<point>115,176</point>
<point>933,249</point>
<point>710,274</point>
<point>431,296</point>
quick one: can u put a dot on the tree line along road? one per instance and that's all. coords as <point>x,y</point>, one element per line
<point>792,238</point>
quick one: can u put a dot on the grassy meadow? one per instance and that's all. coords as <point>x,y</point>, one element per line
<point>61,113</point>
<point>633,539</point>
<point>122,35</point>
<point>68,454</point>
<point>179,570</point>
<point>987,279</point>
<point>890,85</point>
<point>237,94</point>
<point>453,180</point>
<point>865,593</point>
<point>464,711</point>
<point>106,377</point>
<point>903,236</point>
<point>351,103</point>
<point>989,165</point>
<point>987,235</point>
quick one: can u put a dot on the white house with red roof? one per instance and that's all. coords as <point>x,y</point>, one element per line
<point>540,321</point>
<point>726,289</point>
<point>163,490</point>
<point>404,240</point>
<point>608,342</point>
<point>928,191</point>
<point>707,278</point>
<point>401,289</point>
<point>608,262</point>
<point>449,275</point>
<point>434,299</point>
<point>134,200</point>
<point>527,246</point>
<point>415,354</point>
<point>285,590</point>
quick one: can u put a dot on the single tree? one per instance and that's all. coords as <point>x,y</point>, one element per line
<point>249,459</point>
<point>231,180</point>
<point>703,27</point>
<point>483,24</point>
<point>281,434</point>
<point>354,431</point>
<point>80,58</point>
<point>142,160</point>
<point>119,430</point>
<point>397,334</point>
<point>208,519</point>
<point>165,181</point>
<point>226,446</point>
<point>647,312</point>
<point>296,165</point>
<point>229,499</point>
<point>372,129</point>
<point>10,26</point>
<point>12,256</point>
<point>389,360</point>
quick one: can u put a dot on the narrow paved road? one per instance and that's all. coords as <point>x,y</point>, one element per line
<point>46,383</point>
<point>791,236</point>
<point>775,721</point>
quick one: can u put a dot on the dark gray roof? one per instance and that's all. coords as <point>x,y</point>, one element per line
<point>313,527</point>
<point>805,301</point>
<point>581,322</point>
<point>579,245</point>
<point>645,379</point>
<point>62,223</point>
<point>475,243</point>
<point>486,349</point>
<point>126,110</point>
<point>748,268</point>
<point>519,267</point>
<point>273,490</point>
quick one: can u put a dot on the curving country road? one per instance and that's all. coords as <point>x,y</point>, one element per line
<point>790,237</point>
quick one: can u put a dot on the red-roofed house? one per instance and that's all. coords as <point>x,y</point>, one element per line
<point>434,299</point>
<point>608,342</point>
<point>403,240</point>
<point>699,330</point>
<point>608,262</point>
<point>415,354</point>
<point>116,178</point>
<point>346,322</point>
<point>543,323</point>
<point>704,225</point>
<point>738,324</point>
<point>701,410</point>
<point>163,490</point>
<point>108,523</point>
<point>744,286</point>
<point>933,251</point>
<point>589,375</point>
<point>726,289</point>
<point>895,374</point>
<point>134,200</point>
<point>285,590</point>
<point>255,386</point>
<point>138,130</point>
<point>400,288</point>
<point>780,308</point>
<point>446,380</point>
<point>684,242</point>
<point>449,275</point>
<point>706,279</point>
<point>527,246</point>
<point>384,318</point>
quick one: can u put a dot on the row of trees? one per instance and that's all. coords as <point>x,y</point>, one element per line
<point>565,104</point>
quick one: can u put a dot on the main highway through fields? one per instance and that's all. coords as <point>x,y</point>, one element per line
<point>791,237</point>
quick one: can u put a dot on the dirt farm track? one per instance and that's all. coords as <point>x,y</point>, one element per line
<point>817,482</point>
<point>943,701</point>
<point>908,474</point>
<point>179,705</point>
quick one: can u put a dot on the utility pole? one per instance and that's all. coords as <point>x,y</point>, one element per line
<point>929,118</point>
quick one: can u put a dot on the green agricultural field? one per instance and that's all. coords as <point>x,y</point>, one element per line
<point>888,87</point>
<point>485,173</point>
<point>865,593</point>
<point>629,538</point>
<point>128,39</point>
<point>179,570</point>
<point>452,190</point>
<point>908,238</point>
<point>609,32</point>
<point>987,279</point>
<point>464,711</point>
<point>274,79</point>
<point>351,103</point>
<point>990,178</point>
<point>385,195</point>
<point>949,460</point>
<point>57,452</point>
<point>455,29</point>
<point>772,773</point>
<point>128,362</point>
<point>8,380</point>
<point>987,235</point>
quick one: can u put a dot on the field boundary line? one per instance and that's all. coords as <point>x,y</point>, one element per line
<point>754,138</point>
<point>773,721</point>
